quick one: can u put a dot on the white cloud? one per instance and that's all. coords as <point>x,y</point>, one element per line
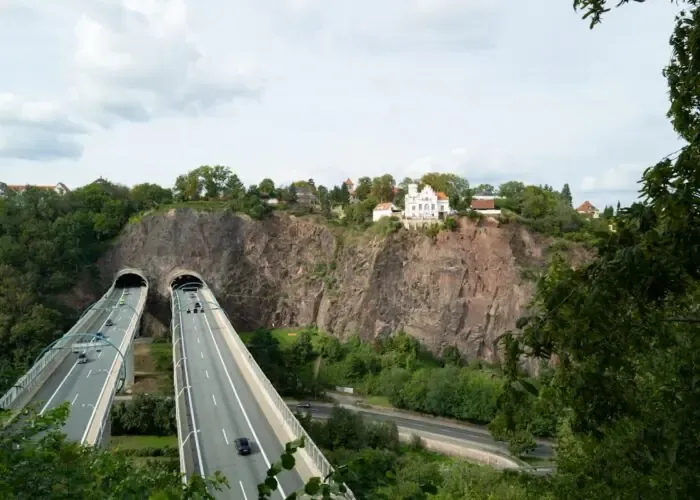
<point>141,90</point>
<point>618,179</point>
<point>134,60</point>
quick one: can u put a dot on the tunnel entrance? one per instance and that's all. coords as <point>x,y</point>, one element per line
<point>130,280</point>
<point>187,282</point>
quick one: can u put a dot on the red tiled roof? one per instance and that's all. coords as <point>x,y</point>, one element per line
<point>587,207</point>
<point>442,196</point>
<point>17,187</point>
<point>384,206</point>
<point>348,182</point>
<point>483,204</point>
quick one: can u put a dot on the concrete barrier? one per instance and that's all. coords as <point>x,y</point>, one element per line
<point>29,384</point>
<point>313,462</point>
<point>94,433</point>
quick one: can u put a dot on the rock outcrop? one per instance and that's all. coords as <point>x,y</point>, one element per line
<point>462,288</point>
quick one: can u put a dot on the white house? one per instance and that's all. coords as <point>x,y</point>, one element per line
<point>385,210</point>
<point>426,204</point>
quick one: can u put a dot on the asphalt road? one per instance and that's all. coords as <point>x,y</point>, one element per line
<point>479,437</point>
<point>225,409</point>
<point>81,384</point>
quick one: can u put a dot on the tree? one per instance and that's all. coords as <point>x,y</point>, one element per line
<point>566,195</point>
<point>324,201</point>
<point>624,328</point>
<point>485,190</point>
<point>383,188</point>
<point>363,188</point>
<point>146,196</point>
<point>511,190</point>
<point>267,187</point>
<point>39,462</point>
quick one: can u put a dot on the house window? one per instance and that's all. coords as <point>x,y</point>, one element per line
<point>432,207</point>
<point>420,206</point>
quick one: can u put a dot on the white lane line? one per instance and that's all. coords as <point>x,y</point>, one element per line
<point>58,388</point>
<point>104,385</point>
<point>214,399</point>
<point>185,362</point>
<point>245,497</point>
<point>225,436</point>
<point>99,355</point>
<point>201,354</point>
<point>198,340</point>
<point>73,402</point>
<point>245,414</point>
<point>89,373</point>
<point>206,372</point>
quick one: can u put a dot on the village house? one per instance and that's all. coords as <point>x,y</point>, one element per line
<point>385,210</point>
<point>426,204</point>
<point>485,205</point>
<point>5,189</point>
<point>588,210</point>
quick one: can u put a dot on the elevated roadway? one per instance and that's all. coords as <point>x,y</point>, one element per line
<point>221,405</point>
<point>90,387</point>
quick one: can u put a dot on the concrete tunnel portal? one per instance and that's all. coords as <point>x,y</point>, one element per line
<point>129,278</point>
<point>187,280</point>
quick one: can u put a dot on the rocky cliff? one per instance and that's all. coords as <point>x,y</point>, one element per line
<point>462,288</point>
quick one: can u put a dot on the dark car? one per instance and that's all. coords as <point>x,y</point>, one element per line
<point>243,446</point>
<point>109,322</point>
<point>195,311</point>
<point>197,304</point>
<point>188,311</point>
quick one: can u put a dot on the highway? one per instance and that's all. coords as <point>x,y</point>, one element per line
<point>481,438</point>
<point>225,409</point>
<point>83,384</point>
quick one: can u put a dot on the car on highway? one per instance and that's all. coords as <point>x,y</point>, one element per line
<point>109,323</point>
<point>121,302</point>
<point>188,311</point>
<point>126,292</point>
<point>195,311</point>
<point>242,446</point>
<point>99,336</point>
<point>82,358</point>
<point>197,304</point>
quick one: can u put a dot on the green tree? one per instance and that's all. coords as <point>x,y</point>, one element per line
<point>267,187</point>
<point>363,188</point>
<point>485,190</point>
<point>383,188</point>
<point>146,196</point>
<point>566,195</point>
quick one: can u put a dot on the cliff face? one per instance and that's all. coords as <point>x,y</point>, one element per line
<point>464,288</point>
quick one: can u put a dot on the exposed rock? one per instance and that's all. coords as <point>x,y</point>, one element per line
<point>462,288</point>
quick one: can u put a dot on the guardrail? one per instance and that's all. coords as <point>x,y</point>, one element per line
<point>318,458</point>
<point>37,374</point>
<point>126,341</point>
<point>189,458</point>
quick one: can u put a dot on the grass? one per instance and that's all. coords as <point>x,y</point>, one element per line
<point>285,336</point>
<point>139,442</point>
<point>382,401</point>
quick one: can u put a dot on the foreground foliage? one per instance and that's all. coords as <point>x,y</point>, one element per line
<point>36,461</point>
<point>624,331</point>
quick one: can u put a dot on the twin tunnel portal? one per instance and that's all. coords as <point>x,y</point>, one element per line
<point>220,392</point>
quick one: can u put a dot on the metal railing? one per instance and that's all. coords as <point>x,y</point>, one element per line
<point>31,378</point>
<point>128,338</point>
<point>316,455</point>
<point>189,458</point>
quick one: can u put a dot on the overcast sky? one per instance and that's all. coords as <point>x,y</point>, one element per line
<point>143,90</point>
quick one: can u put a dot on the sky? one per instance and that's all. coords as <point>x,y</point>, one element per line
<point>144,90</point>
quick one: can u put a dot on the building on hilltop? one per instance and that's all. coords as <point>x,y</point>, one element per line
<point>587,209</point>
<point>485,205</point>
<point>385,210</point>
<point>426,204</point>
<point>6,189</point>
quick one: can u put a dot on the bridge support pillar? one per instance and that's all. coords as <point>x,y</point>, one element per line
<point>129,355</point>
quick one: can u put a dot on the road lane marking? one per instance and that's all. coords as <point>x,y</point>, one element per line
<point>225,436</point>
<point>73,402</point>
<point>104,385</point>
<point>198,340</point>
<point>89,373</point>
<point>206,372</point>
<point>201,354</point>
<point>58,388</point>
<point>99,355</point>
<point>245,497</point>
<point>185,362</point>
<point>214,399</point>
<point>245,414</point>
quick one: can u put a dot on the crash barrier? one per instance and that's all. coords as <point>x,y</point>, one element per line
<point>94,434</point>
<point>187,438</point>
<point>27,385</point>
<point>294,427</point>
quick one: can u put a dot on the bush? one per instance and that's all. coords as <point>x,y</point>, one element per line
<point>145,415</point>
<point>451,224</point>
